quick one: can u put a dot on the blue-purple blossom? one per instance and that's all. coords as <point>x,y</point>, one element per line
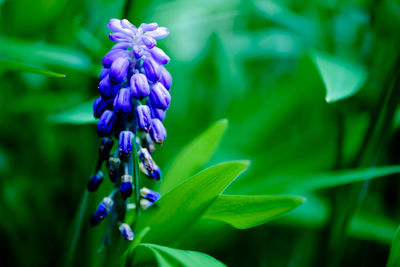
<point>134,96</point>
<point>144,117</point>
<point>95,181</point>
<point>125,144</point>
<point>126,232</point>
<point>102,211</point>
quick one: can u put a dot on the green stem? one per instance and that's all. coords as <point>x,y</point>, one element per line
<point>77,229</point>
<point>136,179</point>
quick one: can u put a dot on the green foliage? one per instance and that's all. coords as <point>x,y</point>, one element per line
<point>168,257</point>
<point>6,64</point>
<point>249,211</point>
<point>394,256</point>
<point>342,78</point>
<point>194,155</point>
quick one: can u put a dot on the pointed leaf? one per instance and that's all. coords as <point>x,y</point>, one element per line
<point>167,257</point>
<point>12,65</point>
<point>394,256</point>
<point>81,114</point>
<point>194,155</point>
<point>342,78</point>
<point>186,203</point>
<point>248,211</point>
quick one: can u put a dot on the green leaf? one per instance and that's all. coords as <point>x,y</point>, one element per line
<point>177,210</point>
<point>248,211</point>
<point>194,155</point>
<point>81,114</point>
<point>306,183</point>
<point>166,257</point>
<point>394,256</point>
<point>7,64</point>
<point>342,78</point>
<point>128,255</point>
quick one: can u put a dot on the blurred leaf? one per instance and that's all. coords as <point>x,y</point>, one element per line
<point>342,78</point>
<point>194,155</point>
<point>394,256</point>
<point>6,64</point>
<point>47,54</point>
<point>306,183</point>
<point>81,114</point>
<point>185,204</point>
<point>129,254</point>
<point>248,211</point>
<point>167,257</point>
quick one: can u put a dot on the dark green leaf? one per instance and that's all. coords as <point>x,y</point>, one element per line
<point>185,204</point>
<point>81,114</point>
<point>194,155</point>
<point>249,211</point>
<point>394,256</point>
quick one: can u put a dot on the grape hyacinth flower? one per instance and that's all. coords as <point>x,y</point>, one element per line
<point>134,97</point>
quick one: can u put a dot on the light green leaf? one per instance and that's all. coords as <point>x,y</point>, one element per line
<point>394,256</point>
<point>248,211</point>
<point>194,155</point>
<point>81,114</point>
<point>166,257</point>
<point>342,78</point>
<point>177,210</point>
<point>7,64</point>
<point>306,183</point>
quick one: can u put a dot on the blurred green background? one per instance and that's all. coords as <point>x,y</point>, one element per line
<point>256,63</point>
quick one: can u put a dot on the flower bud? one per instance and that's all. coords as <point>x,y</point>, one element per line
<point>159,33</point>
<point>157,131</point>
<point>104,72</point>
<point>147,160</point>
<point>122,101</point>
<point>113,168</point>
<point>111,56</point>
<point>156,173</point>
<point>157,113</point>
<point>126,186</point>
<point>102,211</point>
<point>119,70</point>
<point>148,143</point>
<point>126,232</point>
<point>119,37</point>
<point>144,117</point>
<point>149,42</point>
<point>126,24</point>
<point>106,123</point>
<point>149,194</point>
<point>151,69</point>
<point>122,46</point>
<point>105,148</point>
<point>159,96</point>
<point>107,89</point>
<point>100,105</point>
<point>165,78</point>
<point>125,144</point>
<point>139,86</point>
<point>137,51</point>
<point>159,56</point>
<point>145,203</point>
<point>148,26</point>
<point>95,181</point>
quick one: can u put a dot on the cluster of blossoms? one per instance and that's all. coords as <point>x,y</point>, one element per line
<point>134,88</point>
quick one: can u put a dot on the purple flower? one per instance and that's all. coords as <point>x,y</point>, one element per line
<point>107,89</point>
<point>121,45</point>
<point>100,105</point>
<point>122,102</point>
<point>105,148</point>
<point>125,144</point>
<point>146,27</point>
<point>156,173</point>
<point>104,73</point>
<point>144,117</point>
<point>151,69</point>
<point>102,211</point>
<point>147,160</point>
<point>149,194</point>
<point>106,123</point>
<point>157,113</point>
<point>119,70</point>
<point>126,186</point>
<point>159,33</point>
<point>157,131</point>
<point>95,181</point>
<point>111,56</point>
<point>165,78</point>
<point>159,56</point>
<point>139,86</point>
<point>126,232</point>
<point>159,96</point>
